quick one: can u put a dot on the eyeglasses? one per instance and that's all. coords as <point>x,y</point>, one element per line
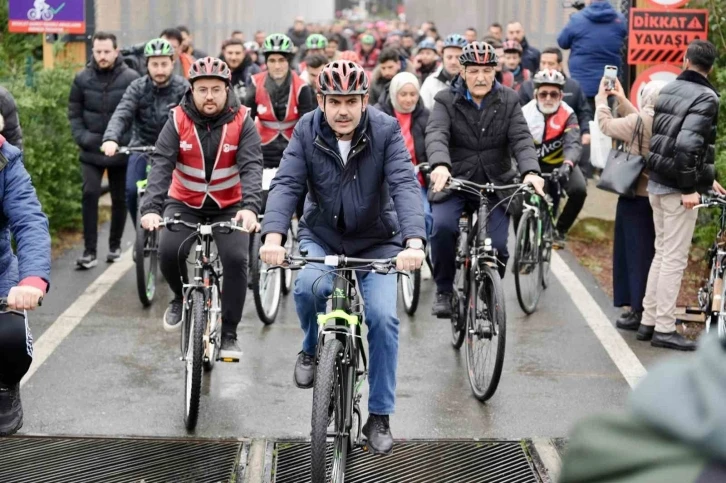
<point>545,94</point>
<point>204,91</point>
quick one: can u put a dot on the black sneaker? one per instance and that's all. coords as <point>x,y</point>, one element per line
<point>173,315</point>
<point>559,240</point>
<point>304,370</point>
<point>632,322</point>
<point>672,340</point>
<point>88,260</point>
<point>442,305</point>
<point>645,332</point>
<point>113,255</point>
<point>378,434</point>
<point>230,351</point>
<point>11,410</point>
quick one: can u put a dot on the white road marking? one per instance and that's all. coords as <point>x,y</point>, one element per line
<point>68,320</point>
<point>550,457</point>
<point>624,358</point>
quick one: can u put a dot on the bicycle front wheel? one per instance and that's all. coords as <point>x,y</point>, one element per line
<point>486,333</point>
<point>527,266</point>
<point>410,290</point>
<point>194,360</point>
<point>147,265</point>
<point>329,414</point>
<point>266,286</point>
<point>291,248</point>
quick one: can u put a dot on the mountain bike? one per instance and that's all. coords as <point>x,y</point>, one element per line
<point>534,244</point>
<point>478,314</point>
<point>341,365</point>
<point>268,286</point>
<point>146,245</point>
<point>202,310</point>
<point>712,296</point>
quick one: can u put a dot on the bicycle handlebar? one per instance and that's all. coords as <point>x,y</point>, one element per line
<point>204,228</point>
<point>457,183</point>
<point>379,265</point>
<point>136,149</point>
<point>4,305</point>
<point>710,201</point>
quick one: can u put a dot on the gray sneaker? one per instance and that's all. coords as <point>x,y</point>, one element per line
<point>88,260</point>
<point>230,350</point>
<point>113,255</point>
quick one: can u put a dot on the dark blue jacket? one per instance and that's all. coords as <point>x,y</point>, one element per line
<point>596,37</point>
<point>22,216</point>
<point>379,168</point>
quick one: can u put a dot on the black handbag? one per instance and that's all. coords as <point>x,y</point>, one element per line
<point>623,168</point>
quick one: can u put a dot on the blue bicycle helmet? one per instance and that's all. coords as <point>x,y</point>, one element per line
<point>455,40</point>
<point>426,45</point>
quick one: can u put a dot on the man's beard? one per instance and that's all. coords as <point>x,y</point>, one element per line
<point>547,110</point>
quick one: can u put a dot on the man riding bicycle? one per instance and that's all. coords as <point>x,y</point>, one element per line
<point>143,110</point>
<point>277,99</point>
<point>354,159</point>
<point>556,133</point>
<point>208,159</point>
<point>474,125</point>
<point>23,278</point>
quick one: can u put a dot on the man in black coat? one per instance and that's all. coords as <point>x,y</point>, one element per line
<point>9,120</point>
<point>95,93</point>
<point>530,55</point>
<point>474,126</point>
<point>681,165</point>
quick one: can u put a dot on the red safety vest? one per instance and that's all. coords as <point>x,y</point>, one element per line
<point>267,124</point>
<point>189,184</point>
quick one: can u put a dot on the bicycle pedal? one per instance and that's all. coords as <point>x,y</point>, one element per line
<point>228,359</point>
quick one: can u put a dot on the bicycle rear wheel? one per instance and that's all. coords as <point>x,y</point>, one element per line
<point>194,360</point>
<point>410,290</point>
<point>266,286</point>
<point>328,410</point>
<point>486,334</point>
<point>147,265</point>
<point>527,266</point>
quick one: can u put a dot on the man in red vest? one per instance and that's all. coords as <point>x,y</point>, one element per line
<point>208,166</point>
<point>277,99</point>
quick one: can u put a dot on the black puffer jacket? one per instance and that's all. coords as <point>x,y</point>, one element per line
<point>419,120</point>
<point>145,107</point>
<point>478,145</point>
<point>684,134</point>
<point>10,121</point>
<point>95,93</point>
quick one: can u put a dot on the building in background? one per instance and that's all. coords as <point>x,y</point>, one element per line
<point>211,21</point>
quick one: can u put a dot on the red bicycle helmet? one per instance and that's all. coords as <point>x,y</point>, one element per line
<point>479,53</point>
<point>512,46</point>
<point>209,67</point>
<point>344,78</point>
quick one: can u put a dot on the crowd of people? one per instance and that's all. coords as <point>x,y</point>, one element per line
<point>344,112</point>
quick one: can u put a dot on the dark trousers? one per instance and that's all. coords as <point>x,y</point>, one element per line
<point>633,251</point>
<point>136,171</point>
<point>446,228</point>
<point>174,247</point>
<point>576,190</point>
<point>16,348</point>
<point>92,176</point>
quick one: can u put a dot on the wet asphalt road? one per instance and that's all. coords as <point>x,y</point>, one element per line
<point>118,372</point>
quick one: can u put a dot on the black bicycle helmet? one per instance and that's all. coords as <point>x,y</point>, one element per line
<point>479,53</point>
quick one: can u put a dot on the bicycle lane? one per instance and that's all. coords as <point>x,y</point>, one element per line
<point>118,373</point>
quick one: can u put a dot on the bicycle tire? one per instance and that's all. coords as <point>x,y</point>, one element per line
<point>329,384</point>
<point>410,290</point>
<point>289,275</point>
<point>523,247</point>
<point>193,367</point>
<point>267,315</point>
<point>546,249</point>
<point>491,293</point>
<point>215,339</point>
<point>146,251</point>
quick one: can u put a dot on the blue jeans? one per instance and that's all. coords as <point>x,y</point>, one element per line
<point>135,171</point>
<point>427,212</point>
<point>379,296</point>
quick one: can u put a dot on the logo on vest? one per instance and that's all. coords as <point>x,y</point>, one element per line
<point>229,147</point>
<point>261,109</point>
<point>185,146</point>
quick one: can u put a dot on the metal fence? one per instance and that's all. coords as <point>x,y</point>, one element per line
<point>211,21</point>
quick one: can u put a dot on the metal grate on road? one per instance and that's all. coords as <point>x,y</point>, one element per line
<point>89,460</point>
<point>419,462</point>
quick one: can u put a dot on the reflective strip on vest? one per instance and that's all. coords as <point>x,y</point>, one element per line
<point>219,173</point>
<point>205,188</point>
<point>279,126</point>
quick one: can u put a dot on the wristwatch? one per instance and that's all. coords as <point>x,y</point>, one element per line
<point>415,244</point>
